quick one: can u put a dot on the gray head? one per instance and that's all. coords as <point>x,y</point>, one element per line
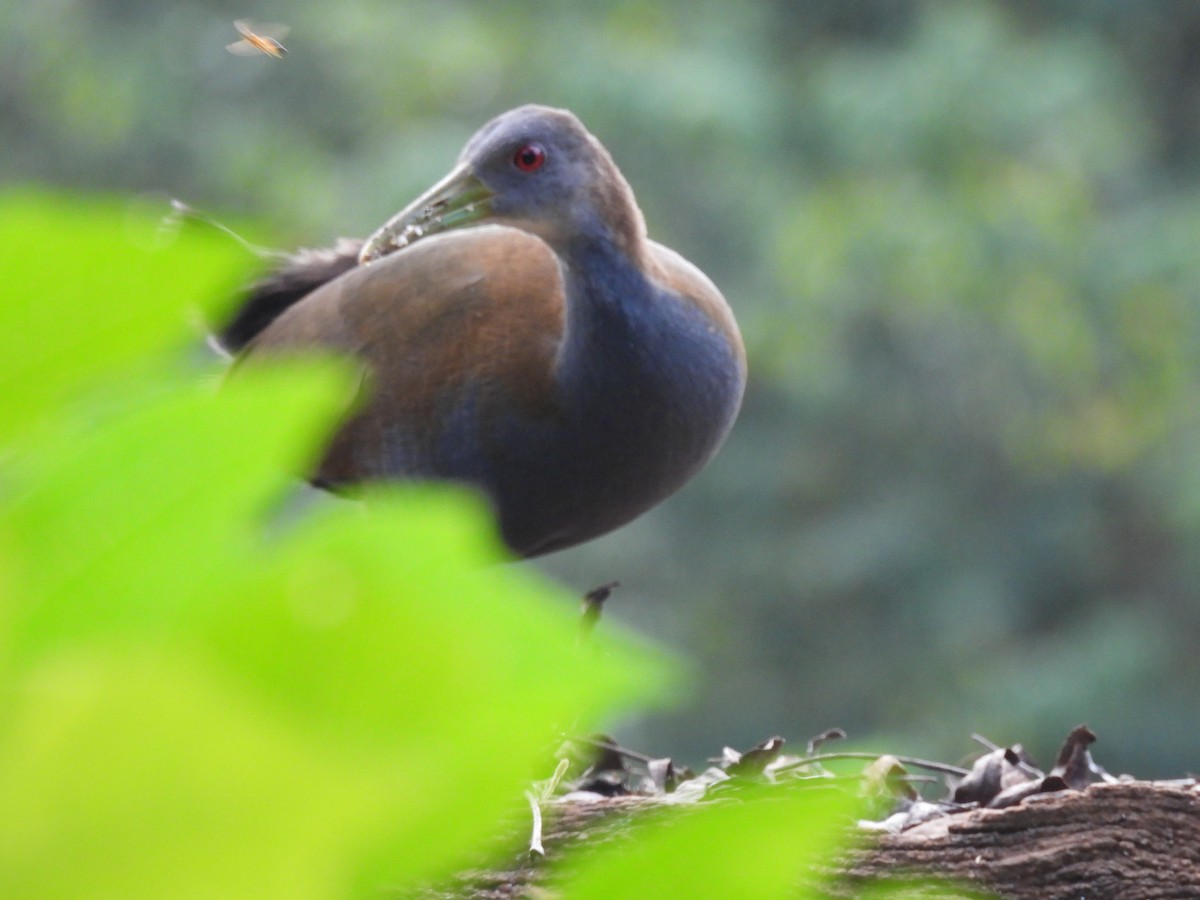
<point>533,168</point>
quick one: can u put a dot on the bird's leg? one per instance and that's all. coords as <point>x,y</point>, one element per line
<point>593,606</point>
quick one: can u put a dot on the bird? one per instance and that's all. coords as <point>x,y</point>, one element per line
<point>517,331</point>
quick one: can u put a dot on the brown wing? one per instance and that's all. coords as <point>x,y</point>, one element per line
<point>480,308</point>
<point>290,281</point>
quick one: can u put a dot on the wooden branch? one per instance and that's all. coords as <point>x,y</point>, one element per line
<point>1127,840</point>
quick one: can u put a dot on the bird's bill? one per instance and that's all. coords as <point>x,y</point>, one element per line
<point>458,200</point>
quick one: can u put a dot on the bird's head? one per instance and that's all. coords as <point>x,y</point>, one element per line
<point>533,168</point>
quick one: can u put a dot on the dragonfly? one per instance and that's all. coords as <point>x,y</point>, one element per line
<point>258,39</point>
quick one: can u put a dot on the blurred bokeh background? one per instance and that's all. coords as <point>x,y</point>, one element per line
<point>961,239</point>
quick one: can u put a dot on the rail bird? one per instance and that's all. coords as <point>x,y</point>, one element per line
<point>520,333</point>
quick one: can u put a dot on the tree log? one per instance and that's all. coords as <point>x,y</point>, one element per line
<point>1127,840</point>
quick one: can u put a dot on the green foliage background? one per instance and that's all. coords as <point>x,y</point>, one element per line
<point>960,238</point>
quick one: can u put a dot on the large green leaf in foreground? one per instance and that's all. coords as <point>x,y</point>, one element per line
<point>92,289</point>
<point>759,844</point>
<point>194,704</point>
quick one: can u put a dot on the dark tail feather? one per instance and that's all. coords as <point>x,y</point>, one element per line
<point>297,276</point>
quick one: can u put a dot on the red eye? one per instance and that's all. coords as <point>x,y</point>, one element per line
<point>530,157</point>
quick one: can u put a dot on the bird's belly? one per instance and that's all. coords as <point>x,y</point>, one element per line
<point>561,481</point>
<point>627,427</point>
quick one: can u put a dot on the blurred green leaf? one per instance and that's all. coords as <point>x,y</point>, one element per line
<point>385,641</point>
<point>91,287</point>
<point>175,482</point>
<point>193,703</point>
<point>757,843</point>
<point>156,775</point>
